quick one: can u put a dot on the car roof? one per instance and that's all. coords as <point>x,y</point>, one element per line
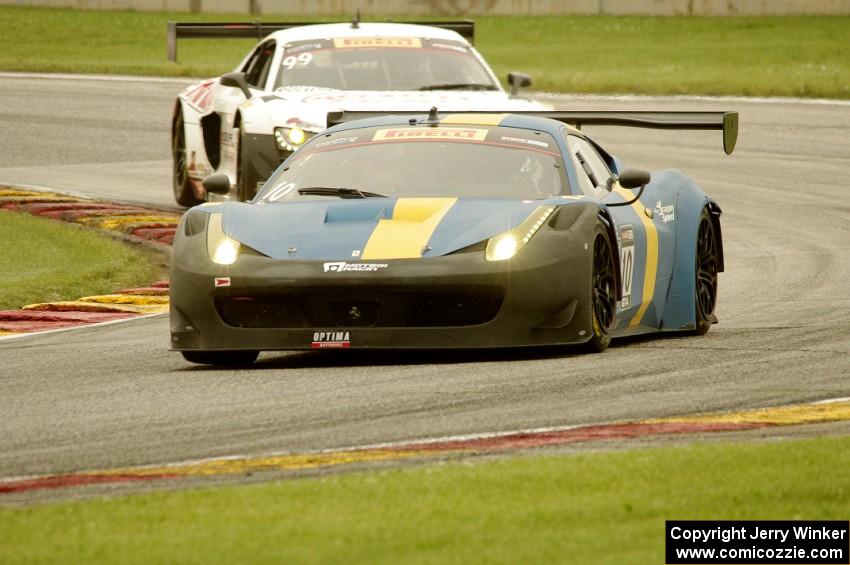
<point>364,29</point>
<point>507,119</point>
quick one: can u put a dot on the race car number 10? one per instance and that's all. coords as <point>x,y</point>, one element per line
<point>627,263</point>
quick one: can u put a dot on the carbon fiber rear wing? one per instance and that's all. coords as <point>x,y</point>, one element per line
<point>727,122</point>
<point>257,30</point>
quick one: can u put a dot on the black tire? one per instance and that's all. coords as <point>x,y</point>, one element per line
<point>603,291</point>
<point>221,358</point>
<point>706,265</point>
<point>246,176</point>
<point>184,194</point>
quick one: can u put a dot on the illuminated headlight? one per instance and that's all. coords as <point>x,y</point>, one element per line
<point>506,245</point>
<point>290,139</point>
<point>503,247</point>
<point>222,249</point>
<point>226,252</point>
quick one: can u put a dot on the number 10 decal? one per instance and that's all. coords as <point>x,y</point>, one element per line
<point>627,263</point>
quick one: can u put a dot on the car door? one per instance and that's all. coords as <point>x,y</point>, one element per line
<point>636,240</point>
<point>228,99</point>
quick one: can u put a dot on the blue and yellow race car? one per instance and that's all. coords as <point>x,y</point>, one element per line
<point>444,230</point>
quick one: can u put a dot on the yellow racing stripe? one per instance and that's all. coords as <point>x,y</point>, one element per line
<point>411,227</point>
<point>474,119</point>
<point>651,266</point>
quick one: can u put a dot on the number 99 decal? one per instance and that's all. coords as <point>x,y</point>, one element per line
<point>293,61</point>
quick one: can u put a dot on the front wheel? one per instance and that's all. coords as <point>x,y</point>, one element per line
<point>184,192</point>
<point>603,293</point>
<point>221,358</point>
<point>706,269</point>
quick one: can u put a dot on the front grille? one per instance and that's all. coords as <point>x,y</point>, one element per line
<point>343,308</point>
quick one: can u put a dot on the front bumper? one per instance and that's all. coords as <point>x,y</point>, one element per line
<point>539,297</point>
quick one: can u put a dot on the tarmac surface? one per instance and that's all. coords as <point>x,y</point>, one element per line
<point>115,396</point>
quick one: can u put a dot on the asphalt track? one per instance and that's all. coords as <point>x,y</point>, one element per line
<point>114,396</point>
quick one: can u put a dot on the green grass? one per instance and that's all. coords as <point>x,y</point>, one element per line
<point>776,56</point>
<point>45,260</point>
<point>605,507</point>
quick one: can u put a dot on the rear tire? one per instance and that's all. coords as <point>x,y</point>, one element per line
<point>184,192</point>
<point>603,297</point>
<point>705,272</point>
<point>221,358</point>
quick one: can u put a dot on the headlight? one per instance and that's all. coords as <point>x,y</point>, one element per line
<point>290,139</point>
<point>507,245</point>
<point>226,252</point>
<point>221,248</point>
<point>503,247</point>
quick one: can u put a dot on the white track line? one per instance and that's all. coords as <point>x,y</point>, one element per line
<point>386,445</point>
<point>538,95</point>
<point>373,446</point>
<point>79,327</point>
<point>561,96</point>
<point>100,78</point>
<point>92,197</point>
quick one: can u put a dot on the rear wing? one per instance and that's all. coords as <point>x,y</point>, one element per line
<point>257,30</point>
<point>727,122</point>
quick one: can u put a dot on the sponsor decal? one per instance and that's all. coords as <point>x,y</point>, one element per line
<point>458,48</point>
<point>462,134</point>
<point>335,141</point>
<point>310,46</point>
<point>222,281</point>
<point>666,213</point>
<point>199,95</point>
<point>361,42</point>
<point>355,253</point>
<point>331,340</point>
<point>627,263</point>
<point>344,267</point>
<point>526,141</point>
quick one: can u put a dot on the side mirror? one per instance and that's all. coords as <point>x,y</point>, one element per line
<point>218,183</point>
<point>518,80</point>
<point>236,80</point>
<point>632,178</point>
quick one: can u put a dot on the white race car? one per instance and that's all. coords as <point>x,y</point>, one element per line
<point>245,123</point>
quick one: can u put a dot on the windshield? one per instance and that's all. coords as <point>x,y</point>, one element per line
<point>422,161</point>
<point>390,63</point>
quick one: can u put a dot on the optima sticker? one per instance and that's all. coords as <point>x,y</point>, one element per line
<point>360,42</point>
<point>331,340</point>
<point>462,134</point>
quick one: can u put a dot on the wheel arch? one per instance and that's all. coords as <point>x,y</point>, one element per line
<point>714,213</point>
<point>605,219</point>
<point>679,310</point>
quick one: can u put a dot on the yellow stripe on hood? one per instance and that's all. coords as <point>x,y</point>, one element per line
<point>409,230</point>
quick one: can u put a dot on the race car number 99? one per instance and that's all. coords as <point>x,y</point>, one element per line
<point>301,60</point>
